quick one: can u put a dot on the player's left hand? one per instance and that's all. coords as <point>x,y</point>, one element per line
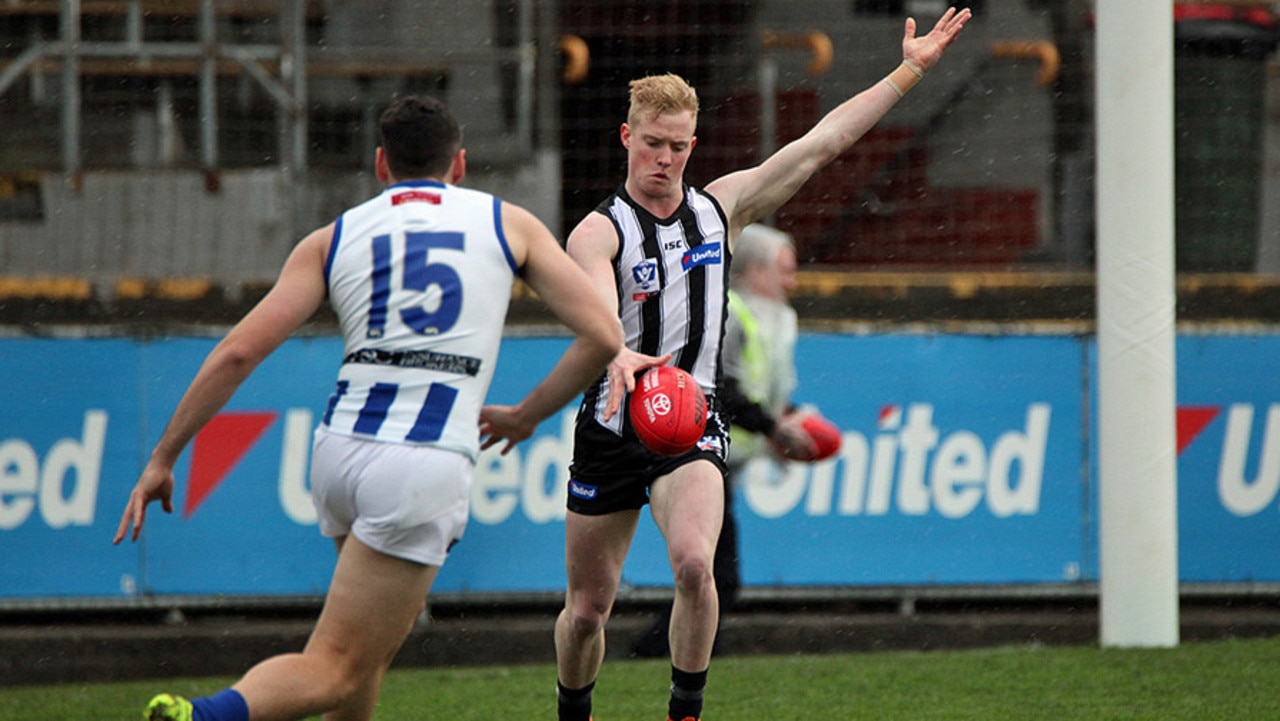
<point>503,423</point>
<point>789,439</point>
<point>924,52</point>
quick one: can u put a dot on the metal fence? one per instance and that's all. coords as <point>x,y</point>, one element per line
<point>988,165</point>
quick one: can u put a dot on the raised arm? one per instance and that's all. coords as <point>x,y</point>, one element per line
<point>749,195</point>
<point>569,293</point>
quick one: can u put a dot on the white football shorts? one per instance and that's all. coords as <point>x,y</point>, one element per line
<point>406,501</point>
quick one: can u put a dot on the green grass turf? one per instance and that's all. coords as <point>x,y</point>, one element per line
<point>1230,680</point>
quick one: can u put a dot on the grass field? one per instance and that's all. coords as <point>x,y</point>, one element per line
<point>1228,680</point>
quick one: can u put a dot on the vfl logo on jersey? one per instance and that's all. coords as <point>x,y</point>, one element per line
<point>645,275</point>
<point>705,254</point>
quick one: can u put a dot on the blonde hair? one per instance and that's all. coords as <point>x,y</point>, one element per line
<point>659,94</point>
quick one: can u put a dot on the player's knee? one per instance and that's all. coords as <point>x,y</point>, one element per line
<point>336,681</point>
<point>346,688</point>
<point>585,617</point>
<point>692,572</point>
<point>341,673</point>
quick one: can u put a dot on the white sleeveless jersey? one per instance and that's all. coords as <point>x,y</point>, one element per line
<point>420,278</point>
<point>672,285</point>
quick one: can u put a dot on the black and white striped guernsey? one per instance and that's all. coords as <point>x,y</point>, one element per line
<point>672,280</point>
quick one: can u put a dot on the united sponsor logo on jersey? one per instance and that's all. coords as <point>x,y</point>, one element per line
<point>582,490</point>
<point>705,254</point>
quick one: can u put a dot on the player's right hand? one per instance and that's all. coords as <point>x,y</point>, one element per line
<point>622,376</point>
<point>155,484</point>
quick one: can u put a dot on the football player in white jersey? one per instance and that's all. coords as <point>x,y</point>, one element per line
<point>419,277</point>
<point>657,250</point>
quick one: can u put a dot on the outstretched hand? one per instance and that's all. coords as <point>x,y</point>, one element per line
<point>155,484</point>
<point>509,425</point>
<point>924,52</point>
<point>504,423</point>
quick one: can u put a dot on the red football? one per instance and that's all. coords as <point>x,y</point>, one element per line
<point>668,410</point>
<point>825,435</point>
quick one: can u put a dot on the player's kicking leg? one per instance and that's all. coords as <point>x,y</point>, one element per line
<point>370,609</point>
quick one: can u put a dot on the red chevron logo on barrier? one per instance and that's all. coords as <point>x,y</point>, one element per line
<point>218,447</point>
<point>1191,421</point>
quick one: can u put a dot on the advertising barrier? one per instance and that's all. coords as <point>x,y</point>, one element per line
<point>967,459</point>
<point>1229,458</point>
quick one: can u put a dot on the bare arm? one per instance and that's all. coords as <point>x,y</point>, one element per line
<point>751,194</point>
<point>567,290</point>
<point>296,296</point>
<point>592,246</point>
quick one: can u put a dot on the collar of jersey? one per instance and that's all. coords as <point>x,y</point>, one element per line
<point>417,184</point>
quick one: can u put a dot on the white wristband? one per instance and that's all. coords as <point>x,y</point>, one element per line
<point>911,66</point>
<point>894,87</point>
